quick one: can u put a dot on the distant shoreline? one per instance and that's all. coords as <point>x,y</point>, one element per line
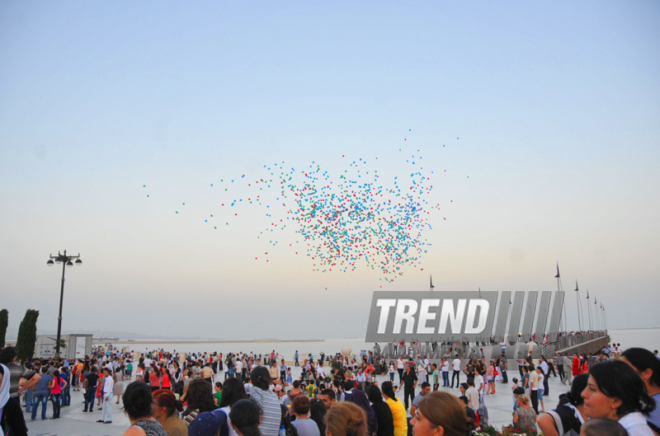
<point>204,341</point>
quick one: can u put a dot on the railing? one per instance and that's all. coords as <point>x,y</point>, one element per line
<point>575,339</point>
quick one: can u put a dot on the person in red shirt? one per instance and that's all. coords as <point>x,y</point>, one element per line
<point>585,364</point>
<point>166,379</point>
<point>577,370</point>
<point>154,378</point>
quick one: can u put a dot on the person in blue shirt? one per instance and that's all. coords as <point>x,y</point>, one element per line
<point>41,393</point>
<point>66,392</point>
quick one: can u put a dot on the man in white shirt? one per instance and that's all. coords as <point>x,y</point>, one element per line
<point>479,384</point>
<point>108,385</point>
<point>534,387</point>
<point>472,395</point>
<point>544,383</point>
<point>456,364</point>
<point>445,373</point>
<point>238,369</point>
<point>320,375</point>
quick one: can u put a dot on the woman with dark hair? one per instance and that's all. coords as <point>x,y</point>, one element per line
<point>232,391</point>
<point>648,367</point>
<point>56,385</point>
<point>139,373</point>
<point>317,411</point>
<point>177,379</point>
<point>568,417</point>
<point>440,410</point>
<point>399,414</point>
<point>164,409</point>
<point>137,405</point>
<point>166,378</point>
<point>118,387</point>
<point>267,400</point>
<point>615,391</point>
<point>154,377</point>
<point>245,415</point>
<point>382,411</point>
<point>200,399</point>
<point>360,398</point>
<point>187,378</point>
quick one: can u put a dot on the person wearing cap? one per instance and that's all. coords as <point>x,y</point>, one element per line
<point>281,395</point>
<point>208,423</point>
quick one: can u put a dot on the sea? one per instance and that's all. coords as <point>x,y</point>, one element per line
<point>645,338</point>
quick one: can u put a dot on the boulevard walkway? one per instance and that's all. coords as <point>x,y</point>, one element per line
<point>75,422</point>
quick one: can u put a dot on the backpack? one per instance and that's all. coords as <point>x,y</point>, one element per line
<point>286,422</point>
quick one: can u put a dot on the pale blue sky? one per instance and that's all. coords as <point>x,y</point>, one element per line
<point>557,106</point>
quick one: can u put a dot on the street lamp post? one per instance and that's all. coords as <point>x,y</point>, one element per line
<point>66,261</point>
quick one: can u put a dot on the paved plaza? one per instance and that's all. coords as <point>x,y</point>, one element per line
<point>75,422</point>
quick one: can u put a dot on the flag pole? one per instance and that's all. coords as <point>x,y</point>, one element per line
<point>433,341</point>
<point>563,303</point>
<point>579,306</point>
<point>596,313</point>
<point>589,310</point>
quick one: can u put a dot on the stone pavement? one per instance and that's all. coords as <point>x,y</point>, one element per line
<point>75,422</point>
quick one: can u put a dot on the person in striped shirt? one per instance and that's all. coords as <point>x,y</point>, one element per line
<point>270,405</point>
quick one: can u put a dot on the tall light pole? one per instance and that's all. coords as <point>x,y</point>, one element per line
<point>66,262</point>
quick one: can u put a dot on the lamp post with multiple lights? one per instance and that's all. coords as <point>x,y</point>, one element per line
<point>66,261</point>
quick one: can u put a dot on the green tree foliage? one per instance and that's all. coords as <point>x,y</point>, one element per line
<point>27,335</point>
<point>62,344</point>
<point>4,321</point>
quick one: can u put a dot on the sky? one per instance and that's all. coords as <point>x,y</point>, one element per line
<point>545,116</point>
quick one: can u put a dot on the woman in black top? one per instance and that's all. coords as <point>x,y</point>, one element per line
<point>568,417</point>
<point>382,411</point>
<point>137,405</point>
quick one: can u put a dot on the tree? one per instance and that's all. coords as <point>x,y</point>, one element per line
<point>4,321</point>
<point>62,344</point>
<point>27,335</point>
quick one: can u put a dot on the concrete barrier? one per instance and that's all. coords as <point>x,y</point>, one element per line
<point>592,346</point>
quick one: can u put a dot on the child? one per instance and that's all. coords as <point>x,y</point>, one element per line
<point>289,377</point>
<point>311,390</point>
<point>513,389</point>
<point>218,393</point>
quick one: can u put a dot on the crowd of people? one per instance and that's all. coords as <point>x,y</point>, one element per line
<point>245,394</point>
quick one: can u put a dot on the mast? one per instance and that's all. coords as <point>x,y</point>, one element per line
<point>589,309</point>
<point>563,304</point>
<point>579,305</point>
<point>433,341</point>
